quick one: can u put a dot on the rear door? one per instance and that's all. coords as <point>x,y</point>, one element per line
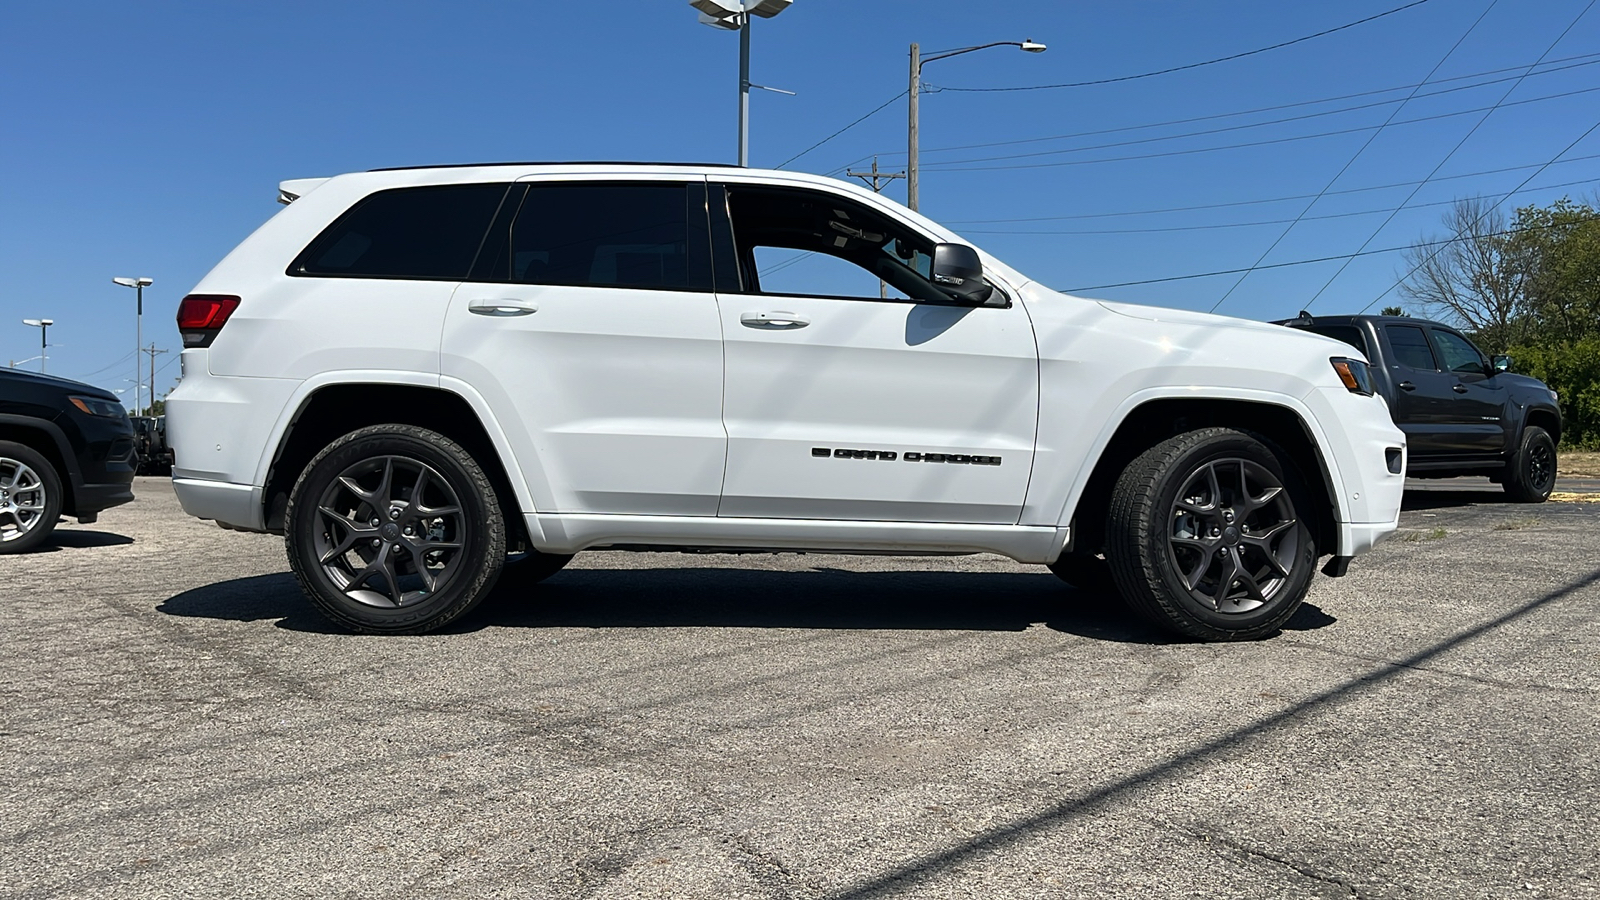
<point>1422,391</point>
<point>855,389</point>
<point>590,328</point>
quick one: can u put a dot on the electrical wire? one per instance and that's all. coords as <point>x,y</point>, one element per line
<point>842,130</point>
<point>1401,280</point>
<point>953,166</point>
<point>1172,209</point>
<point>1195,65</point>
<point>1363,148</point>
<point>1459,144</point>
<point>1343,215</point>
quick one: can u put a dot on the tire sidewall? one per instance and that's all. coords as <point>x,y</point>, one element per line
<point>54,500</point>
<point>1270,615</point>
<point>483,549</point>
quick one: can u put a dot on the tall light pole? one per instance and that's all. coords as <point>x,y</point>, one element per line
<point>917,62</point>
<point>44,329</point>
<point>138,284</point>
<point>735,15</point>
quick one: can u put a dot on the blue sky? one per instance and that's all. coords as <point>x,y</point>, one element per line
<point>148,139</point>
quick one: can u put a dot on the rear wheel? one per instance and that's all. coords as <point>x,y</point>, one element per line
<point>30,498</point>
<point>1530,476</point>
<point>395,529</point>
<point>1207,536</point>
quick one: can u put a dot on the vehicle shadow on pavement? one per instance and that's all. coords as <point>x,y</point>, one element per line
<point>261,597</point>
<point>80,539</point>
<point>1414,500</point>
<point>742,598</point>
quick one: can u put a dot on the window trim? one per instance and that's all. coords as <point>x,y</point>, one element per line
<point>317,243</point>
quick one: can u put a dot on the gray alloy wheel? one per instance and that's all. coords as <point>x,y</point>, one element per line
<point>1208,536</point>
<point>395,529</point>
<point>30,498</point>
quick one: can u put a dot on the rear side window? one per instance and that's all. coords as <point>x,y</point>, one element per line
<point>1348,333</point>
<point>1410,347</point>
<point>602,235</point>
<point>422,233</point>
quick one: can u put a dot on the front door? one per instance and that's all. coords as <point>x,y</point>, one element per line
<point>855,389</point>
<point>1473,423</point>
<point>590,328</point>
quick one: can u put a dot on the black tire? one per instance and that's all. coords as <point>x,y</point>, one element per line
<point>30,498</point>
<point>1086,572</point>
<point>1530,476</point>
<point>524,570</point>
<point>422,497</point>
<point>1204,537</point>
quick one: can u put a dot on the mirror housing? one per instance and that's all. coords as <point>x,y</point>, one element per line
<point>957,271</point>
<point>1500,363</point>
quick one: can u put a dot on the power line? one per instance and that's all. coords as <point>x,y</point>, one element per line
<point>1588,59</point>
<point>1413,271</point>
<point>1195,65</point>
<point>1447,156</point>
<point>955,166</point>
<point>1362,149</point>
<point>1344,215</point>
<point>1172,209</point>
<point>841,131</point>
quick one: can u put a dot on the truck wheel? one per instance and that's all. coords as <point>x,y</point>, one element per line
<point>1530,476</point>
<point>1204,536</point>
<point>30,498</point>
<point>394,529</point>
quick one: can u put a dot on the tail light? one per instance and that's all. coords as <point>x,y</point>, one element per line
<point>201,316</point>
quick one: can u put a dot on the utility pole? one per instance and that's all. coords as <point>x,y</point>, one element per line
<point>153,353</point>
<point>911,127</point>
<point>877,188</point>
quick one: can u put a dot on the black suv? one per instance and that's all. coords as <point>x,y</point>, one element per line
<point>1463,413</point>
<point>66,448</point>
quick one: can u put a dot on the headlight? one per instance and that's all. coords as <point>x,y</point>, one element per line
<point>94,406</point>
<point>1354,373</point>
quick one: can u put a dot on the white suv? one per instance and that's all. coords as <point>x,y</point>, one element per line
<point>425,377</point>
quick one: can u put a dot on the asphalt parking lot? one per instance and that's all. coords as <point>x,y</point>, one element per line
<point>179,722</point>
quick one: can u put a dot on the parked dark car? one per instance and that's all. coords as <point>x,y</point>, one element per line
<point>1463,413</point>
<point>66,448</point>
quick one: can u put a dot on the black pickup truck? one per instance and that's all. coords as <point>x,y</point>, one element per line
<point>1463,413</point>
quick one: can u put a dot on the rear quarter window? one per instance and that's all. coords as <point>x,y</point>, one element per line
<point>1410,347</point>
<point>424,233</point>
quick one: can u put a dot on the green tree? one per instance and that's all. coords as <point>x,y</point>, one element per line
<point>1394,311</point>
<point>1561,243</point>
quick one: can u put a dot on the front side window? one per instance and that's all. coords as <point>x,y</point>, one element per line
<point>811,244</point>
<point>1457,354</point>
<point>424,233</point>
<point>601,235</point>
<point>1410,347</point>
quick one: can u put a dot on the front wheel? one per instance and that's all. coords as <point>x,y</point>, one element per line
<point>395,529</point>
<point>1208,537</point>
<point>1530,476</point>
<point>30,498</point>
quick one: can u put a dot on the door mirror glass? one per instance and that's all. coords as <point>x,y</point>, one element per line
<point>1502,363</point>
<point>958,272</point>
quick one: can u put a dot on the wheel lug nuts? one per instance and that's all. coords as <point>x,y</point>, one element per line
<point>394,513</point>
<point>377,543</point>
<point>375,523</point>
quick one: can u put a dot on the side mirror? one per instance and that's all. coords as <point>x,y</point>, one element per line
<point>958,272</point>
<point>1501,363</point>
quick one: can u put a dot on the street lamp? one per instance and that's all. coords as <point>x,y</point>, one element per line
<point>734,15</point>
<point>44,329</point>
<point>917,62</point>
<point>138,284</point>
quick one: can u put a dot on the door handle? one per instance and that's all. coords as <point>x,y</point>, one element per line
<point>773,321</point>
<point>502,307</point>
<point>1459,388</point>
<point>1406,386</point>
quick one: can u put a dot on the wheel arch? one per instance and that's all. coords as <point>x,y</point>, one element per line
<point>48,441</point>
<point>1547,419</point>
<point>1149,421</point>
<point>331,410</point>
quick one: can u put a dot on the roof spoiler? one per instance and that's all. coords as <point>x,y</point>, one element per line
<point>290,191</point>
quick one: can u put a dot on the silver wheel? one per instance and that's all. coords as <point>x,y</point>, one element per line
<point>391,532</point>
<point>1234,540</point>
<point>23,499</point>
